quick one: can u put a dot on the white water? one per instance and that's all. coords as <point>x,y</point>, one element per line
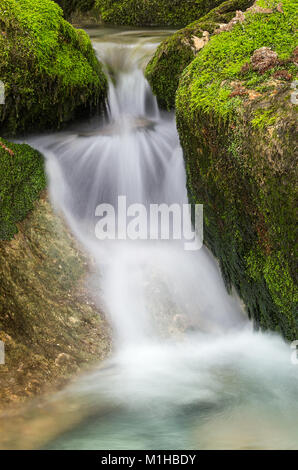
<point>187,370</point>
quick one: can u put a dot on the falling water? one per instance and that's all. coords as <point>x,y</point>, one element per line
<point>187,369</point>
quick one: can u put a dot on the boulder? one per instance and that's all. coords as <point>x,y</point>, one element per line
<point>49,69</point>
<point>236,124</point>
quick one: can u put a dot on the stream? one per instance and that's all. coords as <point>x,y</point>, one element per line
<point>187,369</point>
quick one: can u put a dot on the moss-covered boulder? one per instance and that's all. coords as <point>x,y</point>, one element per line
<point>22,178</point>
<point>153,12</point>
<point>237,118</point>
<point>179,50</point>
<point>49,69</point>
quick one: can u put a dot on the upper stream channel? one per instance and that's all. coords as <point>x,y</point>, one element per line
<point>187,369</point>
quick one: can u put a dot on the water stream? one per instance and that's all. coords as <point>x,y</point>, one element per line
<point>187,371</point>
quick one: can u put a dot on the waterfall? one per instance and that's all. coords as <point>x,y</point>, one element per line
<point>185,355</point>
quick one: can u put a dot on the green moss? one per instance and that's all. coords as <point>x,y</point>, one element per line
<point>153,12</point>
<point>263,118</point>
<point>22,179</point>
<point>49,69</point>
<point>280,283</point>
<point>208,78</point>
<point>239,154</point>
<point>275,270</point>
<point>177,52</point>
<point>166,66</point>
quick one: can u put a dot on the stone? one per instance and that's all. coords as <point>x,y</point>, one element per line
<point>263,59</point>
<point>199,43</point>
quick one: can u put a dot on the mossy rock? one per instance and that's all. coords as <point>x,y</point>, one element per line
<point>49,69</point>
<point>49,324</point>
<point>236,126</point>
<point>175,53</point>
<point>22,179</point>
<point>153,12</point>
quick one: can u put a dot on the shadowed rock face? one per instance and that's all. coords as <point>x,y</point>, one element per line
<point>71,6</point>
<point>51,329</point>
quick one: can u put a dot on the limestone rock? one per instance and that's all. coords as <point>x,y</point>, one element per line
<point>199,43</point>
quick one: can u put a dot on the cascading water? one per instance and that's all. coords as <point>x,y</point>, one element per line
<point>187,370</point>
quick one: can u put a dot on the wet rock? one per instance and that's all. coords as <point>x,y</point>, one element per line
<point>241,161</point>
<point>63,359</point>
<point>44,309</point>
